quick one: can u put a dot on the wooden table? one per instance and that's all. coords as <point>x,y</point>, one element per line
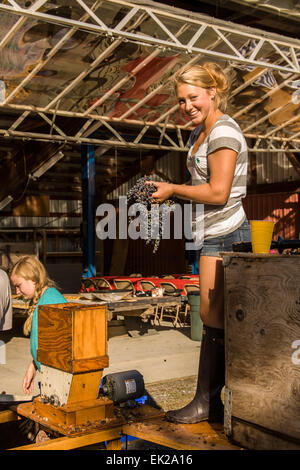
<point>131,306</point>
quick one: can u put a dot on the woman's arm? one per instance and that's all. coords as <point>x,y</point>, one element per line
<point>222,166</point>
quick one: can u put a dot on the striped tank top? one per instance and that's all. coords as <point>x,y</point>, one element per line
<point>220,220</point>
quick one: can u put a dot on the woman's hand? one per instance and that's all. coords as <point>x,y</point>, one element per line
<point>163,191</point>
<point>28,379</point>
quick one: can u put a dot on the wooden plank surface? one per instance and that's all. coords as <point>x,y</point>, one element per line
<point>73,338</point>
<point>68,443</point>
<point>151,426</point>
<point>90,334</point>
<point>199,436</point>
<point>84,387</point>
<point>73,415</point>
<point>90,364</point>
<point>114,444</point>
<point>55,337</point>
<point>260,438</point>
<point>262,302</point>
<point>7,416</point>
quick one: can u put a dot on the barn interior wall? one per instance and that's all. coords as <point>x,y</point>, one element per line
<point>281,208</point>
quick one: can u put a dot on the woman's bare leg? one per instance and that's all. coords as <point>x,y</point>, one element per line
<point>211,282</point>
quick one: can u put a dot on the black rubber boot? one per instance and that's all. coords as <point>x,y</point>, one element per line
<point>207,403</point>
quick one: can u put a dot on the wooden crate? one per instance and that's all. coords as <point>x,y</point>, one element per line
<point>73,338</point>
<point>262,339</point>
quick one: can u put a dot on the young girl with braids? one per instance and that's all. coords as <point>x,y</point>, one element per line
<point>31,280</point>
<point>217,162</point>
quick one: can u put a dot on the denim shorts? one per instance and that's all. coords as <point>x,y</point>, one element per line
<point>213,246</point>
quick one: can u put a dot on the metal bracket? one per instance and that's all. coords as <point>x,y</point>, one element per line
<point>227,411</point>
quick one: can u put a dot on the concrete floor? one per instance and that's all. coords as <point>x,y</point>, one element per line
<point>165,353</point>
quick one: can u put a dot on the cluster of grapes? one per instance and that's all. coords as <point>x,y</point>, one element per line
<point>141,192</point>
<point>153,225</point>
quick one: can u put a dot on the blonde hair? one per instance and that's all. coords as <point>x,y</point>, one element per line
<point>206,76</point>
<point>30,268</point>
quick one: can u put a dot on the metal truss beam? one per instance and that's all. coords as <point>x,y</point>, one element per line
<point>191,31</point>
<point>266,143</point>
<point>160,17</point>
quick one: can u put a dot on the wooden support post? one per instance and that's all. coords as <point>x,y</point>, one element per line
<point>114,444</point>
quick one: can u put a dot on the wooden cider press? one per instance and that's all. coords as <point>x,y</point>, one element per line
<point>72,350</point>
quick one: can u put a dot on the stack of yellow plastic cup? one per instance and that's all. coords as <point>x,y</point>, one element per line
<point>261,235</point>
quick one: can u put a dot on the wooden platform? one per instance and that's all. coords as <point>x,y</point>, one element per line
<point>200,436</point>
<point>56,421</point>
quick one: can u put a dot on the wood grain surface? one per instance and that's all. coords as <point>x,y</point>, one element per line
<point>262,303</point>
<point>55,337</point>
<point>199,436</point>
<point>73,338</point>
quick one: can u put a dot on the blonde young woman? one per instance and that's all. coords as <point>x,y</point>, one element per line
<point>217,162</point>
<point>31,281</point>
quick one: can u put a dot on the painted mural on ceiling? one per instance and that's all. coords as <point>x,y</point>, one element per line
<point>65,69</point>
<point>32,44</point>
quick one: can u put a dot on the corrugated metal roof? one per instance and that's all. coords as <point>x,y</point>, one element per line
<point>287,8</point>
<point>112,61</point>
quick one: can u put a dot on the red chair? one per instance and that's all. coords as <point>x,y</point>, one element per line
<point>147,285</point>
<point>124,284</point>
<point>191,288</point>
<point>170,312</point>
<point>101,283</point>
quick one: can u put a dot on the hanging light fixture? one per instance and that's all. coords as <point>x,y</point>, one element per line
<point>47,165</point>
<point>5,202</point>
